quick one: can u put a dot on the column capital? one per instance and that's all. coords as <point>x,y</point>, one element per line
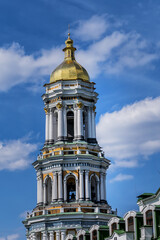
<point>80,105</point>
<point>46,110</point>
<point>59,106</point>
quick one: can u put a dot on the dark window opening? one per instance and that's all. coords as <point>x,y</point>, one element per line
<point>70,126</point>
<point>94,235</point>
<point>49,191</point>
<point>81,237</point>
<point>113,227</point>
<point>130,224</point>
<point>93,189</point>
<point>71,189</point>
<point>149,218</point>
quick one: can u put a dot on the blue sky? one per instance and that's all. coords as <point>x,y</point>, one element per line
<point>118,43</point>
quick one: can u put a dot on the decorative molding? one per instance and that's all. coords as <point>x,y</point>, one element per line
<point>59,105</point>
<point>79,105</point>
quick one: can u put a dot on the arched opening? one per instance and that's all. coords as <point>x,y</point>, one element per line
<point>113,227</point>
<point>93,189</point>
<point>48,191</point>
<point>71,189</point>
<point>81,237</point>
<point>149,218</point>
<point>130,224</point>
<point>84,126</point>
<point>70,126</point>
<point>94,235</point>
<point>55,126</point>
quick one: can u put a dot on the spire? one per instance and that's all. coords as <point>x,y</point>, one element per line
<point>69,49</point>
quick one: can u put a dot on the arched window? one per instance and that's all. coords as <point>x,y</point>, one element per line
<point>113,227</point>
<point>48,190</point>
<point>93,189</point>
<point>149,218</point>
<point>85,125</point>
<point>94,235</point>
<point>81,237</point>
<point>130,224</point>
<point>71,189</point>
<point>70,125</point>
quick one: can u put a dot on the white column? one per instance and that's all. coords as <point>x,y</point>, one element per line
<point>60,187</point>
<point>44,237</point>
<point>51,236</point>
<point>54,187</point>
<point>47,126</point>
<point>81,185</point>
<point>60,122</point>
<point>77,192</point>
<point>51,126</point>
<point>63,234</point>
<point>104,182</point>
<point>154,224</point>
<point>79,121</point>
<point>65,190</point>
<point>39,188</point>
<point>102,186</point>
<point>87,185</point>
<point>57,235</point>
<point>65,123</point>
<point>98,197</point>
<point>89,123</point>
<point>75,123</point>
<point>93,124</point>
<point>90,189</point>
<point>33,236</point>
<point>44,192</point>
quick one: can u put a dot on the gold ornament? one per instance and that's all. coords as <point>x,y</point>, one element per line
<point>79,105</point>
<point>59,105</point>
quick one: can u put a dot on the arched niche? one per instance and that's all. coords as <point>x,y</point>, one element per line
<point>71,189</point>
<point>48,186</point>
<point>94,188</point>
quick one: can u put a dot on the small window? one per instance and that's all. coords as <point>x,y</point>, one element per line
<point>149,218</point>
<point>113,227</point>
<point>130,224</point>
<point>81,237</point>
<point>94,235</point>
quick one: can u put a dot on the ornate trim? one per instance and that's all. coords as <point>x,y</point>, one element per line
<point>59,105</point>
<point>79,105</point>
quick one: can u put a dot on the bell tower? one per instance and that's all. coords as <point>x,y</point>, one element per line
<point>71,168</point>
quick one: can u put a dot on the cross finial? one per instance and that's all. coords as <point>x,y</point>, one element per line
<point>68,30</point>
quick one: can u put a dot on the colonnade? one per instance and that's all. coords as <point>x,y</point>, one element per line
<point>82,186</point>
<point>48,235</point>
<point>62,123</point>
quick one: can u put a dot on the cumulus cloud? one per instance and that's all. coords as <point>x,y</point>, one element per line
<point>121,177</point>
<point>131,134</point>
<point>17,67</point>
<point>110,53</point>
<point>92,28</point>
<point>16,154</point>
<point>11,237</point>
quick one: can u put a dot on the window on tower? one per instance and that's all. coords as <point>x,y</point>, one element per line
<point>71,189</point>
<point>93,189</point>
<point>48,190</point>
<point>70,126</point>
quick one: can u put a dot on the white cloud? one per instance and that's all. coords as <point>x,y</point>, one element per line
<point>91,29</point>
<point>111,52</point>
<point>17,67</point>
<point>121,177</point>
<point>15,154</point>
<point>131,134</point>
<point>13,237</point>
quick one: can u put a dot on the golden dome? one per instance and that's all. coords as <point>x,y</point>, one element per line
<point>69,69</point>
